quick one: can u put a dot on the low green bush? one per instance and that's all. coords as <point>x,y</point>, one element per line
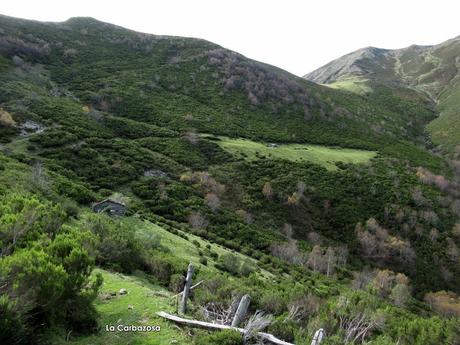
<point>226,337</point>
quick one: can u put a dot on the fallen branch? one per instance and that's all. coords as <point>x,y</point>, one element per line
<point>214,326</point>
<point>191,288</point>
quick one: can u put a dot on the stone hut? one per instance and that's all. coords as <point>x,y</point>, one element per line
<point>111,207</point>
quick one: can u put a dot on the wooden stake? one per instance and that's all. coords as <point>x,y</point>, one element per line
<point>318,338</point>
<point>186,292</point>
<point>241,311</point>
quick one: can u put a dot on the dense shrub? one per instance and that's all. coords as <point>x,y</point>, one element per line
<point>227,337</point>
<point>44,272</point>
<point>118,247</point>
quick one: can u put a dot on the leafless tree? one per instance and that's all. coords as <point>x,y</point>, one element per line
<point>191,136</point>
<point>256,323</point>
<point>301,187</point>
<point>212,201</point>
<point>316,259</point>
<point>358,322</point>
<point>456,230</point>
<point>248,218</point>
<point>331,261</point>
<point>267,190</point>
<point>314,238</point>
<point>362,279</point>
<point>197,221</point>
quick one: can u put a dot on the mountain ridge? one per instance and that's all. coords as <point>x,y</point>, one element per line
<point>429,70</point>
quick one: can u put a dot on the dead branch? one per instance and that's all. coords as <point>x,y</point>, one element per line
<point>213,326</point>
<point>191,288</point>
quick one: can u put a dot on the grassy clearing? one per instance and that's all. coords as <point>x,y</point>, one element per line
<point>187,249</point>
<point>352,84</point>
<point>146,299</point>
<point>322,155</point>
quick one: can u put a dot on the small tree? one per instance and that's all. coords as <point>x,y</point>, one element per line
<point>316,259</point>
<point>191,136</point>
<point>400,295</point>
<point>197,221</point>
<point>6,119</point>
<point>267,190</point>
<point>331,261</point>
<point>212,201</point>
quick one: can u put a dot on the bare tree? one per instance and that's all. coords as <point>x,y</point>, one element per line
<point>362,279</point>
<point>301,187</point>
<point>287,230</point>
<point>197,221</point>
<point>314,238</point>
<point>452,250</point>
<point>358,323</point>
<point>6,119</point>
<point>267,190</point>
<point>294,198</point>
<point>248,218</point>
<point>212,201</point>
<point>316,259</point>
<point>220,313</point>
<point>331,261</point>
<point>191,136</point>
<point>456,230</point>
<point>256,323</point>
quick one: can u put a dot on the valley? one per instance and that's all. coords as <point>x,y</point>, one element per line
<point>332,200</point>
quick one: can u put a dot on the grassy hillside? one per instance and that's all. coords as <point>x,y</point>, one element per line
<point>320,155</point>
<point>444,129</point>
<point>145,299</point>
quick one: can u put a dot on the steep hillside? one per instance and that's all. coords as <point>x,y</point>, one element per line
<point>180,83</point>
<point>432,71</point>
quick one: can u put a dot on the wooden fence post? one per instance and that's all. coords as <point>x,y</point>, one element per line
<point>318,338</point>
<point>241,311</point>
<point>186,292</point>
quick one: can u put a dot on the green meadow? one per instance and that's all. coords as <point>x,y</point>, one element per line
<point>318,154</point>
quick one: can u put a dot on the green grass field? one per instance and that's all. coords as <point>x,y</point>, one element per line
<point>146,299</point>
<point>322,155</point>
<point>352,84</point>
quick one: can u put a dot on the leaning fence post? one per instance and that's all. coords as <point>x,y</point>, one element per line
<point>241,311</point>
<point>318,338</point>
<point>186,292</point>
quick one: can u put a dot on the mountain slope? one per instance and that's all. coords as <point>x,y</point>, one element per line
<point>181,83</point>
<point>430,70</point>
<point>236,160</point>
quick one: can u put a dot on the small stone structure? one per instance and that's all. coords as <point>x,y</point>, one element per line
<point>111,207</point>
